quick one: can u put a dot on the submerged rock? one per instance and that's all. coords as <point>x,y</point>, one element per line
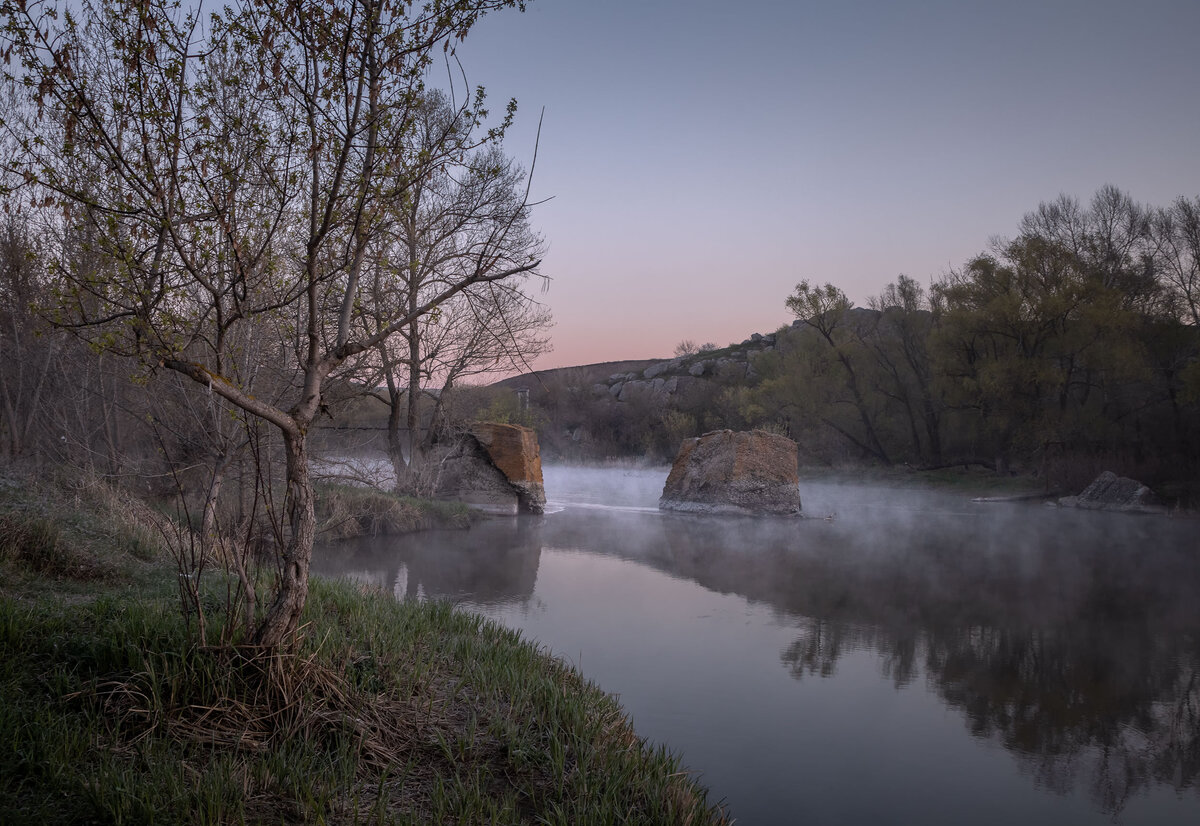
<point>1111,492</point>
<point>497,468</point>
<point>747,472</point>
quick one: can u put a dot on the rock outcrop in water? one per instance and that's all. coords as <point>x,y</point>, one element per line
<point>1111,492</point>
<point>748,472</point>
<point>497,468</point>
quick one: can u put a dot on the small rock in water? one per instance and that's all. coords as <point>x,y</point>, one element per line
<point>1111,492</point>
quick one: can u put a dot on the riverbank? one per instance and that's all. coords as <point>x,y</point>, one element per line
<point>383,712</point>
<point>969,480</point>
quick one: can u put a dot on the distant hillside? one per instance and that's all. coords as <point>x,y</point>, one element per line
<point>637,408</point>
<point>584,374</point>
<point>612,376</point>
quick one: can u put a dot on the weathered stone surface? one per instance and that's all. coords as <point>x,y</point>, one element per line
<point>699,367</point>
<point>662,367</point>
<point>466,474</point>
<point>495,467</point>
<point>514,450</point>
<point>1111,492</point>
<point>747,472</point>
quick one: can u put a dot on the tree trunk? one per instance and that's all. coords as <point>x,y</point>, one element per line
<point>933,430</point>
<point>208,522</point>
<point>282,618</point>
<point>914,431</point>
<point>873,444</point>
<point>413,420</point>
<point>395,445</point>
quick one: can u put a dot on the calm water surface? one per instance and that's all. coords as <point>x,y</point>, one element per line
<point>912,658</point>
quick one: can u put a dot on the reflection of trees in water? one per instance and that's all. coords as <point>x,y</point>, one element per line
<point>1070,641</point>
<point>1113,707</point>
<point>816,650</point>
<point>1068,638</point>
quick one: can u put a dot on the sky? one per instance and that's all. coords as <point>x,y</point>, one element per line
<point>698,159</point>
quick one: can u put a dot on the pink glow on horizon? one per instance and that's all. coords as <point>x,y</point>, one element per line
<point>700,159</point>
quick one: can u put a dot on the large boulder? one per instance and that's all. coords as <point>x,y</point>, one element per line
<point>749,472</point>
<point>1111,492</point>
<point>661,367</point>
<point>497,468</point>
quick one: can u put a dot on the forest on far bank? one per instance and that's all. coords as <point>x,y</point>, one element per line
<point>1070,348</point>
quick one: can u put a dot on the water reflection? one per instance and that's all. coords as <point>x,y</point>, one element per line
<point>1112,706</point>
<point>1072,641</point>
<point>1068,638</point>
<point>445,564</point>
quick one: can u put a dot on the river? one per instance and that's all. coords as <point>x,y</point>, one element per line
<point>900,656</point>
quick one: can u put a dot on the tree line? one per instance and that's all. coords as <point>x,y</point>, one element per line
<point>1070,348</point>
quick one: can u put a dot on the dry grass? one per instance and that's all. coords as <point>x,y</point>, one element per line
<point>345,511</point>
<point>83,530</point>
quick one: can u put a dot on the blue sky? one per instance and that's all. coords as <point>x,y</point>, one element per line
<point>703,157</point>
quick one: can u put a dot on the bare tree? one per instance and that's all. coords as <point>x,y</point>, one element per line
<point>687,347</point>
<point>1176,231</point>
<point>230,170</point>
<point>467,213</point>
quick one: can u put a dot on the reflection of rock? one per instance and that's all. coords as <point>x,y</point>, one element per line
<point>494,562</point>
<point>496,467</point>
<point>728,472</point>
<point>1115,493</point>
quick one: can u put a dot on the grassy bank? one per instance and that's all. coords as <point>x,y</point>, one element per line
<point>347,511</point>
<point>973,480</point>
<point>383,713</point>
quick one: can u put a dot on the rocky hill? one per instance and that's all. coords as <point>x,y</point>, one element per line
<point>662,379</point>
<point>580,374</point>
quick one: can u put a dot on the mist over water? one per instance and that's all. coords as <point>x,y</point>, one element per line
<point>901,656</point>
